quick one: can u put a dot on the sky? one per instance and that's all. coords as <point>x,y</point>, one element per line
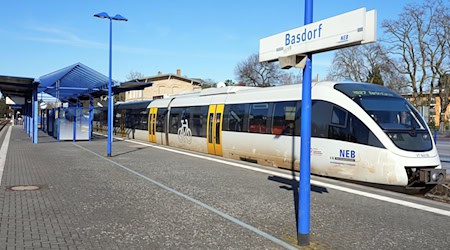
<point>205,39</point>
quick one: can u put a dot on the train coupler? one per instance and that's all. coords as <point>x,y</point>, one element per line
<point>432,176</point>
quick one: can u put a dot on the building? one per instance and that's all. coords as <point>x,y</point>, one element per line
<point>431,112</point>
<point>163,84</point>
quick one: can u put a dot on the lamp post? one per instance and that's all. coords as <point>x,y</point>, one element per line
<point>117,17</point>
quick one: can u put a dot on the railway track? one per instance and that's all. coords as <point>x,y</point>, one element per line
<point>3,123</point>
<point>440,192</point>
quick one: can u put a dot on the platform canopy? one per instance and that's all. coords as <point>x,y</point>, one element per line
<point>12,86</point>
<point>123,87</point>
<point>72,81</point>
<point>78,80</point>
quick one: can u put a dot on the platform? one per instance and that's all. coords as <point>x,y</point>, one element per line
<point>152,197</point>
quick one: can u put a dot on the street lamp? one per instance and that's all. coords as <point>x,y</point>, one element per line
<point>117,17</point>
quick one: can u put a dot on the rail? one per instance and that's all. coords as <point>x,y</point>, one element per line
<point>3,123</point>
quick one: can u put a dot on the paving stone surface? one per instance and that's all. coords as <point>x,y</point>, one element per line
<point>147,198</point>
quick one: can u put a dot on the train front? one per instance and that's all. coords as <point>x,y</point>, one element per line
<point>408,139</point>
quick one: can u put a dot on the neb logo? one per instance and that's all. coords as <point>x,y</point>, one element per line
<point>345,153</point>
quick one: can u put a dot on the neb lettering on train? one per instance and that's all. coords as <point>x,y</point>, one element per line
<point>346,153</point>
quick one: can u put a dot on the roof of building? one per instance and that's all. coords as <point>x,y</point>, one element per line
<point>161,77</point>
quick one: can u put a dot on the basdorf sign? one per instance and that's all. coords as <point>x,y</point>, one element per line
<point>348,29</point>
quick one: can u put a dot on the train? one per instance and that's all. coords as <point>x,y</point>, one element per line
<point>359,131</point>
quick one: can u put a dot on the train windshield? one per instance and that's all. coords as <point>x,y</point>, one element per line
<point>392,113</point>
<point>398,119</point>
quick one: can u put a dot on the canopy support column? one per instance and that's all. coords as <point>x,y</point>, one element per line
<point>75,120</point>
<point>24,116</point>
<point>35,114</point>
<point>91,116</point>
<point>58,110</point>
<point>29,120</point>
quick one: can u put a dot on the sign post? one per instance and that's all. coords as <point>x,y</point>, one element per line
<point>305,155</point>
<point>294,48</point>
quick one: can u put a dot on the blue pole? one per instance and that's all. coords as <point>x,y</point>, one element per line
<point>57,112</point>
<point>35,116</point>
<point>24,116</point>
<point>75,109</point>
<point>58,125</point>
<point>117,17</point>
<point>305,154</point>
<point>91,116</point>
<point>29,121</point>
<point>110,98</point>
<point>27,117</point>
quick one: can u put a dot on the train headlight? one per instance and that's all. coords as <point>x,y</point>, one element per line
<point>437,177</point>
<point>425,136</point>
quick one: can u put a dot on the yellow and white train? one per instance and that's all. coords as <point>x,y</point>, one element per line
<point>359,131</point>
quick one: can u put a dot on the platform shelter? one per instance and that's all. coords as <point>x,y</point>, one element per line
<point>74,88</point>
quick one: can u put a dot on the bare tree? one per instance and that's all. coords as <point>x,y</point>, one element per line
<point>134,75</point>
<point>347,64</point>
<point>439,59</point>
<point>444,94</point>
<point>396,82</point>
<point>289,77</point>
<point>251,72</point>
<point>208,83</point>
<point>416,41</point>
<point>366,63</point>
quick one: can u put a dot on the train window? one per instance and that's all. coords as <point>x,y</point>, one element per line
<point>143,121</point>
<point>359,133</point>
<point>257,120</point>
<point>234,117</point>
<point>283,120</point>
<point>211,123</point>
<point>198,122</point>
<point>194,117</point>
<point>161,120</point>
<point>320,118</point>
<point>338,129</point>
<point>218,115</point>
<point>175,120</point>
<point>338,116</point>
<point>345,126</point>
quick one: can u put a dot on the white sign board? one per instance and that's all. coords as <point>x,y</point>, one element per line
<point>43,105</point>
<point>336,32</point>
<point>15,100</point>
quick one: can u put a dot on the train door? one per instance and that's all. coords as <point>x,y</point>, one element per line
<point>214,129</point>
<point>152,124</point>
<point>162,121</point>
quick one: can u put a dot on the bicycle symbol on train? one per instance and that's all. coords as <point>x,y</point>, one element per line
<point>184,132</point>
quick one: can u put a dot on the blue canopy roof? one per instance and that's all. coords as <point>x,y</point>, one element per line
<point>73,81</point>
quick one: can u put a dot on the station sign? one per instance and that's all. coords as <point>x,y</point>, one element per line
<point>43,105</point>
<point>12,100</point>
<point>348,29</point>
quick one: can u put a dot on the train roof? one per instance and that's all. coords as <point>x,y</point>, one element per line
<point>349,88</point>
<point>133,104</point>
